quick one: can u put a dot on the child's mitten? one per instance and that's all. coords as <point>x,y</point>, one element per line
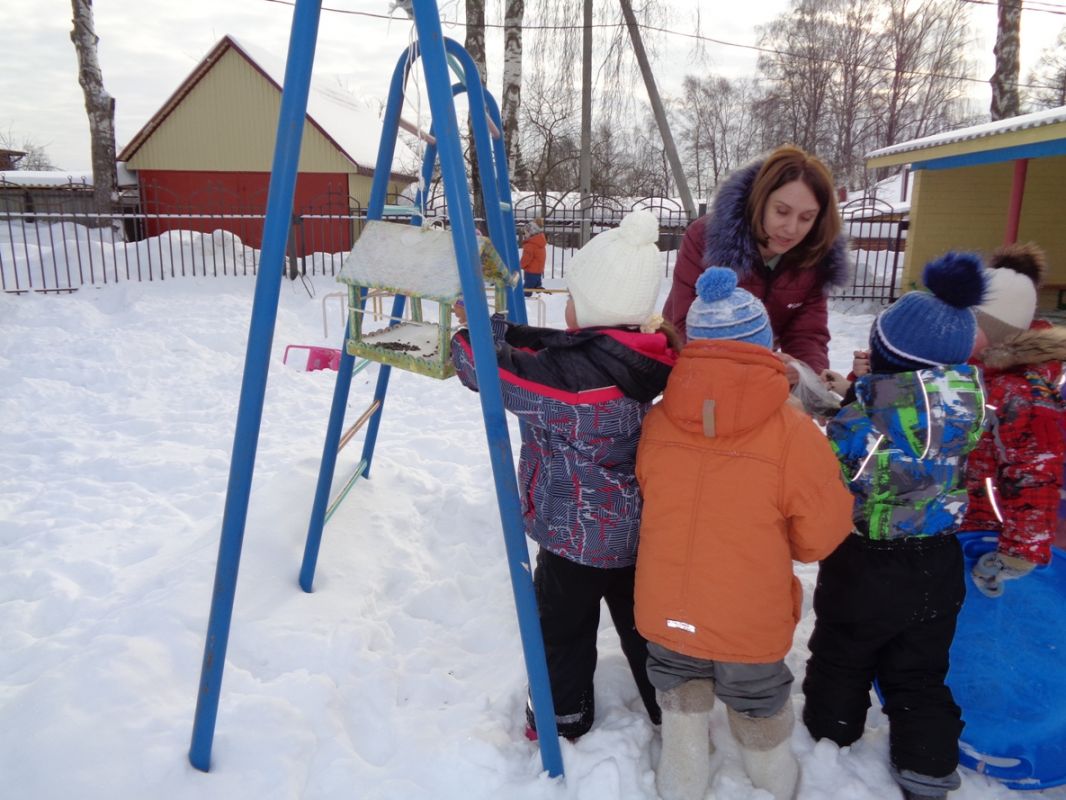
<point>993,568</point>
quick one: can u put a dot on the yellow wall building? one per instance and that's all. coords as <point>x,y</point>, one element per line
<point>209,150</point>
<point>980,187</point>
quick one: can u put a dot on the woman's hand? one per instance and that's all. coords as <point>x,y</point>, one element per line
<point>790,371</point>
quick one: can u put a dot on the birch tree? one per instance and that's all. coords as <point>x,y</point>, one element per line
<point>514,14</point>
<point>475,46</point>
<point>100,107</point>
<point>1004,80</point>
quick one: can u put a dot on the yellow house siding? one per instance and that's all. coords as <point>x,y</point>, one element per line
<point>1044,218</point>
<point>956,209</point>
<point>228,123</point>
<point>967,209</point>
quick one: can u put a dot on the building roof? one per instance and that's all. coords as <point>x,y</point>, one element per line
<point>1038,134</point>
<point>31,178</point>
<point>349,125</point>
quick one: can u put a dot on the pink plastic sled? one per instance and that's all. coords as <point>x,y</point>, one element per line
<point>317,357</point>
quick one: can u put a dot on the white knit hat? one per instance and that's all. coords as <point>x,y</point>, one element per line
<point>1009,306</point>
<point>615,278</point>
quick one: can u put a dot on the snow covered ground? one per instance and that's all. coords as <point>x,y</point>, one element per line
<point>400,676</point>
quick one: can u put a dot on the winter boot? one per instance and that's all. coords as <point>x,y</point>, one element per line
<point>909,795</point>
<point>766,750</point>
<point>570,726</point>
<point>685,766</point>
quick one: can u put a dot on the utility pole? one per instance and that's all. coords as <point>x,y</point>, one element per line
<point>657,108</point>
<point>585,176</point>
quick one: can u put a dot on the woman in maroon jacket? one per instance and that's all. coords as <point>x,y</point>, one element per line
<point>776,224</point>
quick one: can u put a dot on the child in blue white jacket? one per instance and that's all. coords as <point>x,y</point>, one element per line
<point>888,597</point>
<point>583,394</point>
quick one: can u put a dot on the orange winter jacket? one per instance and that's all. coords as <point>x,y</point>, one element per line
<point>737,484</point>
<point>534,253</point>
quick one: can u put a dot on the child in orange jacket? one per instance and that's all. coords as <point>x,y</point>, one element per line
<point>737,484</point>
<point>534,255</point>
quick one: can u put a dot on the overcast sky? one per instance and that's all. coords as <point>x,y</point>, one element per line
<point>148,47</point>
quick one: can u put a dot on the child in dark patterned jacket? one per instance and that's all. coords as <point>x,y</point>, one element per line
<point>1015,475</point>
<point>582,394</point>
<point>887,599</point>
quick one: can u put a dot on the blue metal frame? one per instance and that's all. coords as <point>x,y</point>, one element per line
<point>256,363</point>
<point>1054,147</point>
<point>436,53</point>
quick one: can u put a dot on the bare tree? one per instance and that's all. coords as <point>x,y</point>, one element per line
<point>100,106</point>
<point>475,46</point>
<point>717,127</point>
<point>1048,78</point>
<point>514,14</point>
<point>550,139</point>
<point>800,70</point>
<point>854,46</point>
<point>1005,102</point>
<point>34,156</point>
<point>922,92</point>
<point>609,157</point>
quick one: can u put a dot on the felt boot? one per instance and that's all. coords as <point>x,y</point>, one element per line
<point>766,750</point>
<point>684,770</point>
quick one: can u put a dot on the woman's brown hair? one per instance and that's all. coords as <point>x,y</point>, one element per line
<point>786,164</point>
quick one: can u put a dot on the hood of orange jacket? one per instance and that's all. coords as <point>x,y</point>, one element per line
<point>737,484</point>
<point>741,384</point>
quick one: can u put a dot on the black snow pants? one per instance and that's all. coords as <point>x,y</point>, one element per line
<point>887,611</point>
<point>568,603</point>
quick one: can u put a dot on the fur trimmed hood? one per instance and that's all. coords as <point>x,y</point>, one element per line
<point>730,242</point>
<point>1034,346</point>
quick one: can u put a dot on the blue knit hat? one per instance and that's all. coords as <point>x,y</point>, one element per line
<point>722,311</point>
<point>934,328</point>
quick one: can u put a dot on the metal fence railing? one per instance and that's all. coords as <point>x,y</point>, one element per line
<point>60,251</point>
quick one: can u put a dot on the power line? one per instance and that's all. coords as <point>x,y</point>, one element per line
<point>696,36</point>
<point>1025,5</point>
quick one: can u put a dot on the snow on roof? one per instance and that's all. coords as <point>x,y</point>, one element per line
<point>31,177</point>
<point>346,119</point>
<point>1038,119</point>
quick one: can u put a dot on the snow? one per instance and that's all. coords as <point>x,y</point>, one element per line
<point>36,177</point>
<point>400,676</point>
<point>1036,119</point>
<point>390,256</point>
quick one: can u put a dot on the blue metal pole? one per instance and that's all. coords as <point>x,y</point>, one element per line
<point>328,465</point>
<point>493,171</point>
<point>342,388</point>
<point>390,129</point>
<point>435,65</point>
<point>516,301</point>
<point>257,361</point>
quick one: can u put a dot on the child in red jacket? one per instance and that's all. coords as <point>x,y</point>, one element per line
<point>1016,473</point>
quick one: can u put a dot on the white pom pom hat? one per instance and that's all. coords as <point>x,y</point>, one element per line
<point>615,278</point>
<point>1009,306</point>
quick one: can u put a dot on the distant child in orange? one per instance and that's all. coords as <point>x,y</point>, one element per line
<point>534,255</point>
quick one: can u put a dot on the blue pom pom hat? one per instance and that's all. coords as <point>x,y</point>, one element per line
<point>934,328</point>
<point>723,311</point>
